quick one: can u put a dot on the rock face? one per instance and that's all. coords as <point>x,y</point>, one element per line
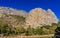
<point>36,17</point>
<point>13,11</point>
<point>39,17</point>
<point>12,16</point>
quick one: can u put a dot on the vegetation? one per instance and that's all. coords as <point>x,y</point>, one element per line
<point>7,29</point>
<point>19,18</point>
<point>19,30</point>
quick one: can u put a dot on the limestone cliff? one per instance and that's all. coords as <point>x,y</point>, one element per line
<point>39,17</point>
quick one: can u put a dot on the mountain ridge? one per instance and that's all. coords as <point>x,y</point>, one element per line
<point>36,17</point>
<point>13,11</point>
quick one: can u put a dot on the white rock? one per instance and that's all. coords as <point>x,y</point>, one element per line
<point>39,17</point>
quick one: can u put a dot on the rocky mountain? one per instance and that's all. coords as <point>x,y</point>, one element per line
<point>40,17</point>
<point>36,17</point>
<point>12,16</point>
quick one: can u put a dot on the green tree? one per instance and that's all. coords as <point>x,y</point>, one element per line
<point>40,30</point>
<point>29,31</point>
<point>19,30</point>
<point>58,24</point>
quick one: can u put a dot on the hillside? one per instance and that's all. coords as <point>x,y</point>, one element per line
<point>36,17</point>
<point>12,16</point>
<point>14,20</point>
<point>17,22</point>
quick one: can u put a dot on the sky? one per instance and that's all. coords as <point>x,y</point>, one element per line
<point>27,5</point>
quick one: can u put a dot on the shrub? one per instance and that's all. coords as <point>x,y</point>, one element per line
<point>29,31</point>
<point>19,30</point>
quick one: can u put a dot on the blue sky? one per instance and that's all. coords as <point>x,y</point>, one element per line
<point>27,5</point>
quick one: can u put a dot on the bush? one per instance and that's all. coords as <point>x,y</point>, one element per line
<point>19,30</point>
<point>28,31</point>
<point>4,28</point>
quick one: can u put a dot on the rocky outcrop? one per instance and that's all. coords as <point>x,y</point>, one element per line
<point>39,17</point>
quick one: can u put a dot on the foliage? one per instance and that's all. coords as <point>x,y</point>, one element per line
<point>19,30</point>
<point>28,31</point>
<point>20,18</point>
<point>46,26</point>
<point>58,24</point>
<point>7,29</point>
